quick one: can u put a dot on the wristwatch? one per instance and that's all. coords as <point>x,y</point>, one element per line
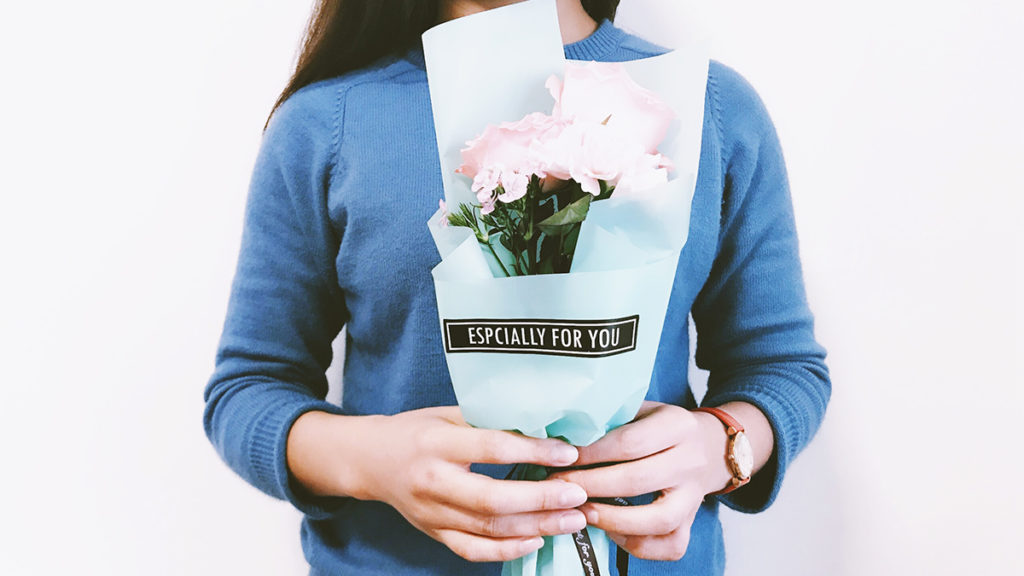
<point>738,453</point>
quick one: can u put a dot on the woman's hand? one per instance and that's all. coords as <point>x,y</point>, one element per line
<point>418,462</point>
<point>669,450</point>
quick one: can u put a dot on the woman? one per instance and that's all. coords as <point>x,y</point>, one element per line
<point>335,236</point>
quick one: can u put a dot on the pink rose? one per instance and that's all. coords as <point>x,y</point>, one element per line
<point>585,153</point>
<point>648,171</point>
<point>588,153</point>
<point>602,92</point>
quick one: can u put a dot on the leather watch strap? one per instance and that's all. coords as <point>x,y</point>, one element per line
<point>732,428</point>
<point>722,415</point>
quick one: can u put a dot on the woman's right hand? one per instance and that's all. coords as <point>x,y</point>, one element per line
<point>418,462</point>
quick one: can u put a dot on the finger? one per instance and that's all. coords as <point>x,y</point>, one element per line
<point>486,496</point>
<point>480,549</point>
<point>664,516</point>
<point>656,428</point>
<point>512,525</point>
<point>670,547</point>
<point>452,414</point>
<point>651,474</point>
<point>474,445</point>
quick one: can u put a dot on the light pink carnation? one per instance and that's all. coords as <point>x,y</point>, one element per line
<point>515,185</point>
<point>444,212</point>
<point>487,206</point>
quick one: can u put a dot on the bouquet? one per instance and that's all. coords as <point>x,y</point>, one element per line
<point>536,178</point>
<point>559,234</point>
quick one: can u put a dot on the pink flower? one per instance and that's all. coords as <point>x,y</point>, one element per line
<point>602,92</point>
<point>514,184</point>
<point>504,154</point>
<point>487,206</point>
<point>444,212</point>
<point>588,153</point>
<point>486,181</point>
<point>604,127</point>
<point>648,171</point>
<point>585,153</point>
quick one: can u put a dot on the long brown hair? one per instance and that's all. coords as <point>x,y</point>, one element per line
<point>345,35</point>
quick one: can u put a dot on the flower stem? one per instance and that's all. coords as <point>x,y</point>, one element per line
<point>500,263</point>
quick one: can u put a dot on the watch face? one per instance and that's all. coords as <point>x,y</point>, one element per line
<point>742,455</point>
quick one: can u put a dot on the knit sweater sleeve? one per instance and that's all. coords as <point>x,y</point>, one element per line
<point>754,327</point>
<point>285,307</point>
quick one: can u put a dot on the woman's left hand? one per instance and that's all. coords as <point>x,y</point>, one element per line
<point>666,449</point>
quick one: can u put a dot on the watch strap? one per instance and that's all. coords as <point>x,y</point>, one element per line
<point>732,427</point>
<point>722,415</point>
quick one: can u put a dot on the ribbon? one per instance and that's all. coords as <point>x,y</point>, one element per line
<point>621,556</point>
<point>584,548</point>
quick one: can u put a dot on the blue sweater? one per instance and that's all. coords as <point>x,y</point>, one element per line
<point>335,235</point>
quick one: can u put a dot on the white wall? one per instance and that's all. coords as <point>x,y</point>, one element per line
<point>128,133</point>
<point>901,123</point>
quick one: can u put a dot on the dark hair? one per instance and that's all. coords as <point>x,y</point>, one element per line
<point>345,35</point>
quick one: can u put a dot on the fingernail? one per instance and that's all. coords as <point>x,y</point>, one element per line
<point>573,496</point>
<point>571,522</point>
<point>531,545</point>
<point>590,514</point>
<point>563,453</point>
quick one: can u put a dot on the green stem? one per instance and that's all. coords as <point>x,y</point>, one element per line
<point>516,256</point>
<point>500,263</point>
<point>519,261</point>
<point>561,253</point>
<point>522,266</point>
<point>532,215</point>
<point>532,257</point>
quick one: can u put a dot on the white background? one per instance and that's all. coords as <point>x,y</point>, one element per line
<point>127,135</point>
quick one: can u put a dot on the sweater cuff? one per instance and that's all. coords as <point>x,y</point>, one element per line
<point>768,394</point>
<point>269,458</point>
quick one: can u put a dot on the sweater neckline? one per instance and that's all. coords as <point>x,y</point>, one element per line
<point>603,41</point>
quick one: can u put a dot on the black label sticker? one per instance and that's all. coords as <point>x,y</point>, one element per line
<point>583,338</point>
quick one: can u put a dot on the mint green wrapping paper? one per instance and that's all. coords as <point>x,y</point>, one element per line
<point>624,266</point>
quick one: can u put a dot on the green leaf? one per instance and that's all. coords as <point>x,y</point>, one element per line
<point>465,217</point>
<point>569,246</point>
<point>561,222</point>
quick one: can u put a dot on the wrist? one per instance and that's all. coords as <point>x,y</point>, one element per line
<point>322,455</point>
<point>717,473</point>
<point>359,443</point>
